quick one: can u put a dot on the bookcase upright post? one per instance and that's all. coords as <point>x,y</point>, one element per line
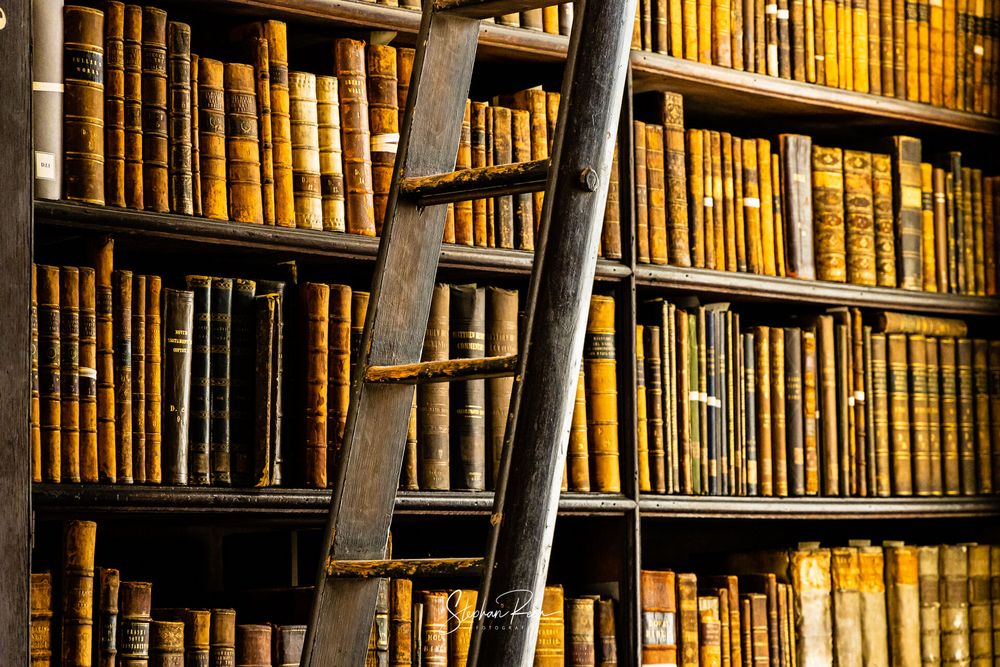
<point>15,353</point>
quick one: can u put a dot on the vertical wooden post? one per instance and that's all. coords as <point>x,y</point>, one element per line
<point>15,304</point>
<point>559,301</point>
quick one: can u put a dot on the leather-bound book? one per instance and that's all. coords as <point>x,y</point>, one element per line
<point>659,618</point>
<point>350,65</point>
<point>155,151</point>
<point>433,405</point>
<point>331,159</point>
<point>903,602</point>
<point>954,596</point>
<point>794,413</point>
<point>605,641</point>
<point>934,415</point>
<point>779,225</point>
<point>464,234</point>
<point>400,623</point>
<point>640,176</point>
<point>828,205</point>
<point>550,648</point>
<point>948,48</point>
<point>139,379</point>
<point>201,381</point>
<point>477,141</point>
<point>339,373</point>
<point>114,102</point>
<point>757,626</point>
<point>656,194</point>
<point>678,243</point>
<point>762,365</point>
<point>994,382</point>
<point>133,176</point>
<point>899,414</point>
<point>949,417</point>
<point>796,161</point>
<point>501,340</point>
<point>212,140</point>
<point>195,151</point>
<point>123,372</point>
<point>503,211</point>
<point>995,596</point>
<point>767,217</point>
<point>859,212</point>
<point>220,348</point>
<point>316,311</point>
<point>178,326</point>
<point>179,117</point>
<point>611,235</point>
<point>784,51</point>
<point>404,73</point>
<point>682,408</point>
<point>966,416</point>
<point>77,591</point>
<point>924,325</point>
<point>687,619</point>
<point>713,150</point>
<point>468,424</point>
<point>846,598</point>
<point>242,144</point>
<point>222,638</point>
<point>384,118</point>
<point>134,603</point>
<point>751,208</point>
<point>68,358</point>
<point>779,442</point>
<point>602,394</point>
<point>967,235</point>
<point>981,392</point>
<point>153,394</point>
<point>461,607</point>
<point>86,371</point>
<point>709,639</point>
<point>830,443</point>
<point>166,644</point>
<point>885,237</point>
<point>242,373</point>
<point>653,376</point>
<point>41,619</point>
<point>810,422</point>
<point>979,262</point>
<point>962,43</point>
<point>83,105</point>
<point>435,628</point>
<point>980,612</point>
<point>306,180</point>
<point>288,643</point>
<point>260,54</point>
<point>263,456</point>
<point>770,34</point>
<point>930,605</point>
<point>929,242</point>
<point>738,207</point>
<point>749,425</point>
<point>47,71</point>
<point>253,645</point>
<point>799,39</point>
<point>696,188</point>
<point>811,581</point>
<point>276,289</point>
<point>907,207</point>
<point>197,626</point>
<point>578,456</point>
<point>107,468</point>
<point>919,435</point>
<point>36,432</point>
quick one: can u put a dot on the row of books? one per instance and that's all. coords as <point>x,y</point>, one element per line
<point>825,405</point>
<point>555,20</point>
<point>791,208</point>
<point>940,53</point>
<point>861,604</point>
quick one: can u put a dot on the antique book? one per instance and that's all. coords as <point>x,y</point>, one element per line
<point>930,605</point>
<point>242,365</point>
<point>503,206</point>
<point>770,34</point>
<point>139,379</point>
<point>467,401</point>
<point>264,456</point>
<point>758,630</point>
<point>82,140</point>
<point>435,628</point>
<point>477,141</point>
<point>331,160</point>
<point>114,105</point>
<point>980,612</point>
<point>966,416</point>
<point>178,120</point>
<point>874,642</point>
<point>779,226</point>
<point>678,244</point>
<point>885,236</point>
<point>846,599</point>
<point>86,373</point>
<point>763,410</point>
<point>47,72</point>
<point>433,405</point>
<point>212,140</point>
<point>36,433</point>
<point>659,618</point>
<point>501,340</point>
<point>683,402</point>
<point>828,205</point>
<point>358,192</point>
<point>928,233</point>
<point>40,596</point>
<point>954,596</point>
<point>714,162</point>
<point>656,194</point>
<point>68,290</point>
<point>602,394</point>
<point>696,189</point>
<point>903,603</point>
<point>779,440</point>
<point>107,468</point>
<point>934,415</point>
<point>197,627</point>
<point>687,619</point>
<point>155,139</point>
<point>811,582</point>
<point>242,145</point>
<point>166,644</point>
<point>919,426</point>
<point>810,422</point>
<point>859,213</point>
<point>907,207</point>
<point>949,417</point>
<point>288,643</point>
<point>829,442</point>
<point>339,371</point>
<point>400,623</point>
<point>580,649</point>
<point>752,208</point>
<point>222,637</point>
<point>899,414</point>
<point>925,325</point>
<point>611,238</point>
<point>709,637</point>
<point>767,217</point>
<point>796,156</point>
<point>152,394</point>
<point>132,59</point>
<point>404,72</point>
<point>550,648</point>
<point>134,604</point>
<point>578,456</point>
<point>122,309</point>
<point>464,234</point>
<point>794,412</point>
<point>316,314</point>
<point>741,227</point>
<point>784,43</point>
<point>77,591</point>
<point>981,392</point>
<point>178,355</point>
<point>384,119</point>
<point>306,186</point>
<point>201,381</point>
<point>994,382</point>
<point>653,375</point>
<point>253,645</point>
<point>606,637</point>
<point>220,379</point>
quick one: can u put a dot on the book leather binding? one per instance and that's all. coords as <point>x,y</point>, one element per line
<point>69,373</point>
<point>461,607</point>
<point>602,394</point>
<point>907,207</point>
<point>243,372</point>
<point>306,178</point>
<point>501,340</point>
<point>400,623</point>
<point>114,103</point>
<point>903,602</point>
<point>954,593</point>
<point>155,150</point>
<point>433,406</point>
<point>435,628</point>
<point>350,65</point>
<point>339,373</point>
<point>79,540</point>
<point>154,378</point>
<point>83,105</point>
<point>199,418</point>
<point>899,414</point>
<point>924,325</point>
<point>106,586</point>
<point>212,139</point>
<point>316,309</point>
<point>930,605</point>
<point>242,144</point>
<point>197,630</point>
<point>828,206</point>
<point>550,648</point>
<point>222,638</point>
<point>135,600</point>
<point>220,344</point>
<point>607,651</point>
<point>467,402</point>
<point>331,160</point>
<point>383,105</point>
<point>40,637</point>
<point>580,631</point>
<point>134,196</point>
<point>846,597</point>
<point>253,645</point>
<point>47,39</point>
<point>123,373</point>
<point>178,323</point>
<point>264,456</point>
<point>139,379</point>
<point>796,160</point>
<point>289,641</point>
<point>858,200</point>
<point>678,244</point>
<point>980,613</point>
<point>885,235</point>
<point>179,118</point>
<point>166,644</point>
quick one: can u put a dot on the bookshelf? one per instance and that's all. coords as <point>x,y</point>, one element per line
<point>634,523</point>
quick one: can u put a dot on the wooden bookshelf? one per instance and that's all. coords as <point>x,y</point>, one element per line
<point>687,507</point>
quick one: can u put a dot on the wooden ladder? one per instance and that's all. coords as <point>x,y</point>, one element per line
<point>575,182</point>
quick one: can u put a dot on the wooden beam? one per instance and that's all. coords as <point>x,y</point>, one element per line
<point>413,567</point>
<point>506,179</point>
<point>444,371</point>
<point>15,353</point>
<point>484,9</point>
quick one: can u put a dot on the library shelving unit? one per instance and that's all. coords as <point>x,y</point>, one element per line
<point>600,538</point>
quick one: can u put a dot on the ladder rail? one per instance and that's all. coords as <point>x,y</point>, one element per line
<point>361,507</point>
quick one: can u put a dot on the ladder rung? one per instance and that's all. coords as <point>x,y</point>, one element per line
<point>443,371</point>
<point>413,567</point>
<point>506,179</point>
<point>484,9</point>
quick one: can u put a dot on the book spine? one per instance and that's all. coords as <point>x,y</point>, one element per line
<point>222,638</point>
<point>602,394</point>
<point>40,597</point>
<point>966,416</point>
<point>384,119</point>
<point>994,390</point>
<point>779,441</point>
<point>106,438</point>
<point>350,63</point>
<point>794,412</point>
<point>653,375</point>
<point>828,199</point>
<point>262,77</point>
<point>114,103</point>
<point>464,215</point>
<point>133,641</point>
<point>940,222</point>
<point>919,426</point>
<point>714,155</point>
<point>83,105</point>
<point>166,644</point>
<point>468,432</point>
<point>949,417</point>
<point>79,539</point>
<point>580,631</point>
<point>433,405</point>
<point>846,599</point>
<point>155,151</point>
<point>656,194</point>
<point>885,238</point>
<point>316,310</point>
<point>123,373</point>
<point>132,61</point>
<point>981,389</point>
<point>796,154</point>
<point>503,207</point>
<point>752,208</point>
<point>979,250</point>
<point>339,372</point>
<point>765,456</point>
<point>154,374</point>
<point>253,645</point>
<point>69,373</point>
<point>35,418</point>
<point>611,237</point>
<point>179,118</point>
<point>501,340</point>
<point>899,414</point>
<point>435,629</point>
<point>810,571</point>
<point>289,640</point>
<point>263,454</point>
<point>212,140</point>
<point>907,199</point>
<point>829,441</point>
<point>331,161</point>
<point>201,382</point>
<point>642,412</point>
<point>858,199</point>
<point>930,605</point>
<point>242,377</point>
<point>400,623</point>
<point>995,597</point>
<point>980,613</point>
<point>578,458</point>
<point>810,426</point>
<point>47,91</point>
<point>954,593</point>
<point>738,208</point>
<point>696,189</point>
<point>683,399</point>
<point>87,368</point>
<point>477,141</point>
<point>524,204</point>
<point>139,379</point>
<point>305,150</point>
<point>903,603</point>
<point>934,416</point>
<point>179,332</point>
<point>220,346</point>
<point>242,145</point>
<point>678,243</point>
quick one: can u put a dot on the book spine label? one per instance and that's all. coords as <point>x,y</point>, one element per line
<point>179,335</point>
<point>242,144</point>
<point>83,102</point>
<point>384,118</point>
<point>602,394</point>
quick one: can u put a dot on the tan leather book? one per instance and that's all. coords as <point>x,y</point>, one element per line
<point>728,203</point>
<point>550,647</point>
<point>197,634</point>
<point>765,466</point>
<point>949,417</point>
<point>980,613</point>
<point>178,118</point>
<point>602,394</point>
<point>828,207</point>
<point>259,53</point>
<point>222,637</point>
<point>899,414</point>
<point>903,601</point>
<point>106,456</point>
<point>751,208</point>
<point>41,619</point>
<point>696,186</point>
<point>712,260</point>
<point>433,399</point>
<point>810,403</point>
<point>463,210</point>
<point>980,379</point>
<point>242,145</point>
<point>166,644</point>
<point>779,444</point>
<point>949,52</point>
<point>503,152</point>
<point>966,415</point>
<point>78,357</point>
<point>139,379</point>
<point>306,178</point>
<point>714,139</point>
<point>809,572</point>
<point>132,39</point>
<point>767,216</point>
<point>212,140</point>
<point>501,340</point>
<point>779,223</point>
<point>846,598</point>
<point>316,311</point>
<point>653,390</point>
<point>83,105</point>
<point>195,146</point>
<point>929,245</point>
<point>478,113</point>
<point>925,325</point>
<point>67,292</point>
<point>930,605</point>
<point>934,415</point>
<point>658,243</point>
<point>524,203</point>
<point>919,426</point>
<point>709,638</point>
<point>461,605</point>
<point>796,161</point>
<point>580,632</point>
<point>738,198</point>
<point>155,151</point>
<point>339,372</point>
<point>122,308</point>
<point>954,596</point>
<point>77,590</point>
<point>991,186</point>
<point>687,619</point>
<point>676,186</point>
<point>354,112</point>
<point>885,240</point>
<point>576,476</point>
<point>831,65</point>
<point>400,623</point>
<point>941,225</point>
<point>383,111</point>
<point>134,621</point>
<point>114,103</point>
<point>756,642</point>
<point>874,630</point>
<point>978,229</point>
<point>858,200</point>
<point>935,52</point>
<point>659,617</point>
<point>830,443</point>
<point>331,160</point>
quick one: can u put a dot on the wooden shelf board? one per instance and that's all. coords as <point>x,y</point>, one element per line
<point>753,287</point>
<point>702,507</point>
<point>190,231</point>
<point>311,504</point>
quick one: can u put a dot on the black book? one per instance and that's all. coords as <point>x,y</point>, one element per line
<point>201,402</point>
<point>242,377</point>
<point>276,288</point>
<point>178,324</point>
<point>220,335</point>
<point>468,400</point>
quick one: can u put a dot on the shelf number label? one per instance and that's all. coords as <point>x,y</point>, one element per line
<point>45,166</point>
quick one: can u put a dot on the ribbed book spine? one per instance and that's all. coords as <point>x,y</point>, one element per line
<point>305,151</point>
<point>69,373</point>
<point>796,157</point>
<point>316,311</point>
<point>154,378</point>
<point>242,374</point>
<point>200,414</point>
<point>966,416</point>
<point>155,150</point>
<point>262,75</point>
<point>212,140</point>
<point>678,243</point>
<point>350,64</point>
<point>179,117</point>
<point>220,367</point>
<point>954,591</point>
<point>602,394</point>
<point>87,373</point>
<point>860,218</point>
<point>339,374</point>
<point>828,203</point>
<point>433,406</point>
<point>79,541</point>
<point>122,281</point>
<point>810,571</point>
<point>383,111</point>
<point>980,380</point>
<point>907,207</point>
<point>242,145</point>
<point>503,153</point>
<point>501,340</point>
<point>331,162</point>
<point>83,105</point>
<point>139,379</point>
<point>134,194</point>
<point>49,373</point>
<point>524,215</point>
<point>468,432</point>
<point>114,103</point>
<point>106,584</point>
<point>885,236</point>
